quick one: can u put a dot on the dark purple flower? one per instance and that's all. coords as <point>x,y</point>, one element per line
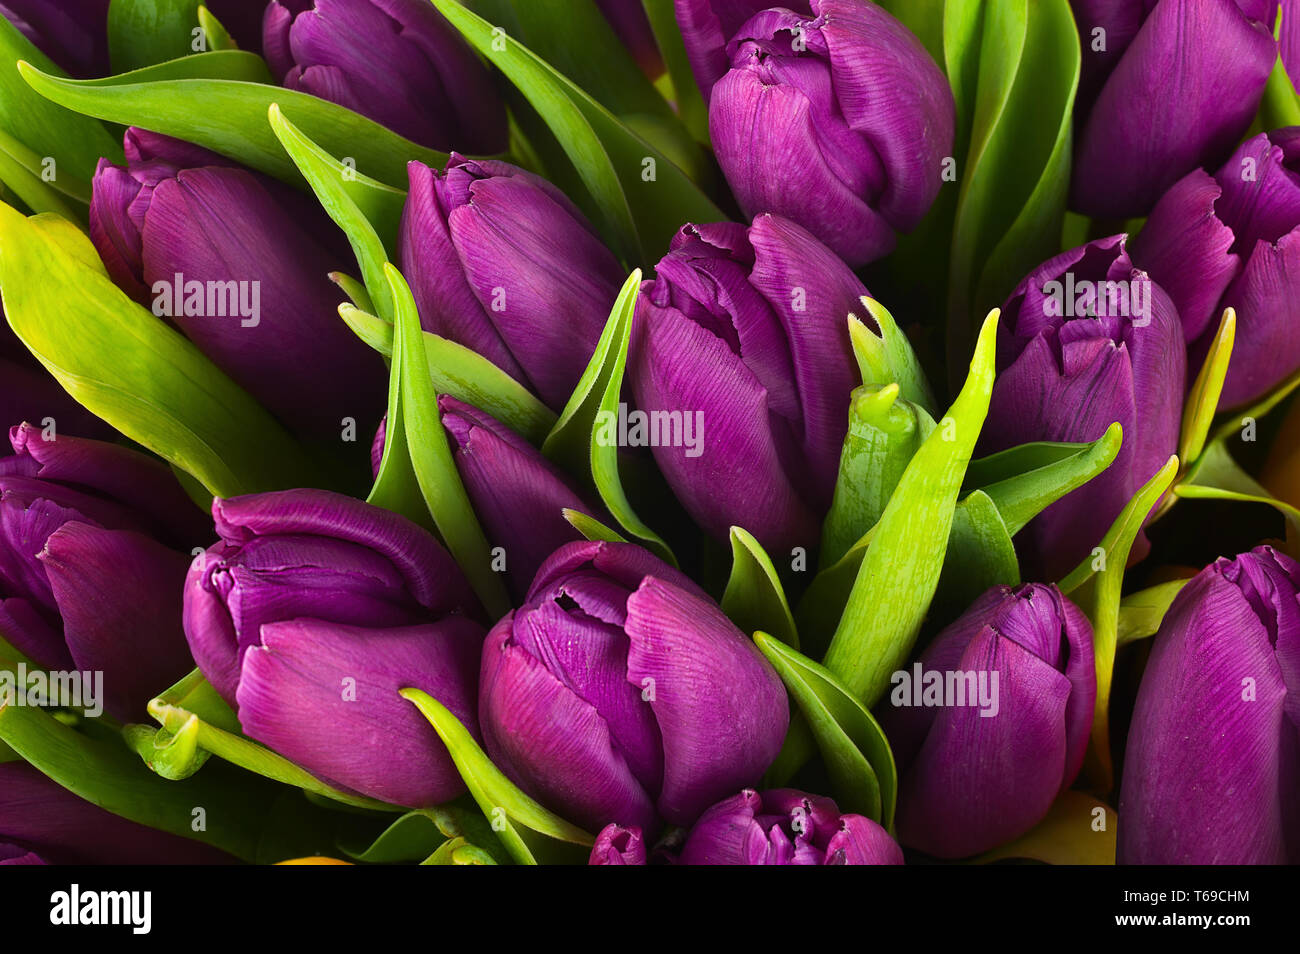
<point>1233,240</point>
<point>29,393</point>
<point>396,61</point>
<point>707,27</point>
<point>786,827</point>
<point>619,692</point>
<point>743,335</point>
<point>73,33</point>
<point>253,259</point>
<point>1180,95</point>
<point>502,262</point>
<point>629,20</point>
<point>839,121</point>
<point>311,613</point>
<point>41,822</point>
<point>94,541</point>
<point>1213,761</point>
<point>1088,340</point>
<point>991,725</point>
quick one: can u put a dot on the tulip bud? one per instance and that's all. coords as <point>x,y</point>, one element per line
<point>518,495</point>
<point>73,33</point>
<point>41,822</point>
<point>616,845</point>
<point>990,726</point>
<point>742,335</point>
<point>619,692</point>
<point>499,260</point>
<point>708,25</point>
<point>93,543</point>
<point>840,122</point>
<point>1181,94</point>
<point>786,827</point>
<point>237,262</point>
<point>1233,240</point>
<point>1213,758</point>
<point>310,615</point>
<point>1090,340</point>
<point>397,62</point>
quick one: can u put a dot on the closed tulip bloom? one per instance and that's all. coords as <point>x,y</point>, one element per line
<point>1213,760</point>
<point>1106,28</point>
<point>616,845</point>
<point>743,335</point>
<point>94,541</point>
<point>518,495</point>
<point>73,33</point>
<point>786,827</point>
<point>397,62</point>
<point>41,822</point>
<point>619,692</point>
<point>1233,240</point>
<point>992,724</point>
<point>309,616</point>
<point>840,122</point>
<point>499,260</point>
<point>707,27</point>
<point>1181,95</point>
<point>1089,340</point>
<point>260,254</point>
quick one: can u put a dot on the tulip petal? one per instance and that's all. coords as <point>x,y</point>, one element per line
<point>1267,349</point>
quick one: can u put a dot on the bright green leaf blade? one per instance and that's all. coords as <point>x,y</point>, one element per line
<point>1203,400</point>
<point>216,37</point>
<point>197,99</point>
<point>1141,613</point>
<point>857,754</point>
<point>690,103</point>
<point>18,166</point>
<point>500,800</point>
<point>435,469</point>
<point>145,32</point>
<point>131,369</point>
<point>591,528</point>
<point>887,357</point>
<point>1022,496</point>
<point>465,375</point>
<point>900,572</point>
<point>754,598</point>
<point>1216,476</point>
<point>1281,105</point>
<point>980,554</point>
<point>638,216</point>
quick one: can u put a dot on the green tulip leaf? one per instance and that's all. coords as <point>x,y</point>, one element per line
<point>465,375</point>
<point>685,91</point>
<point>430,455</point>
<point>220,100</point>
<point>864,779</point>
<point>591,528</point>
<point>584,439</point>
<point>900,571</point>
<point>1141,613</point>
<point>1281,104</point>
<point>1203,400</point>
<point>356,291</point>
<point>1021,496</point>
<point>18,166</point>
<point>215,36</point>
<point>45,130</point>
<point>641,195</point>
<point>754,598</point>
<point>885,356</point>
<point>418,834</point>
<point>146,32</point>
<point>173,755</point>
<point>459,851</point>
<point>1096,586</point>
<point>980,554</point>
<point>1216,476</point>
<point>529,832</point>
<point>133,370</point>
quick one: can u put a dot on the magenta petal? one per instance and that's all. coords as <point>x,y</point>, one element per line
<point>860,841</point>
<point>1266,349</point>
<point>616,845</point>
<point>326,697</point>
<point>721,708</point>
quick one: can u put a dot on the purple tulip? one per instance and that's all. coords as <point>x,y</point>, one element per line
<point>502,262</point>
<point>73,33</point>
<point>517,493</point>
<point>41,822</point>
<point>1213,760</point>
<point>840,122</point>
<point>629,20</point>
<point>1233,240</point>
<point>990,726</point>
<point>311,613</point>
<point>786,827</point>
<point>616,845</point>
<point>1181,95</point>
<point>93,549</point>
<point>397,62</point>
<point>258,255</point>
<point>743,335</point>
<point>1065,375</point>
<point>707,27</point>
<point>1106,28</point>
<point>619,692</point>
<point>29,393</point>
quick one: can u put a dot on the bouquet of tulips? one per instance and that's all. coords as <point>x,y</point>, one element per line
<point>649,432</point>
